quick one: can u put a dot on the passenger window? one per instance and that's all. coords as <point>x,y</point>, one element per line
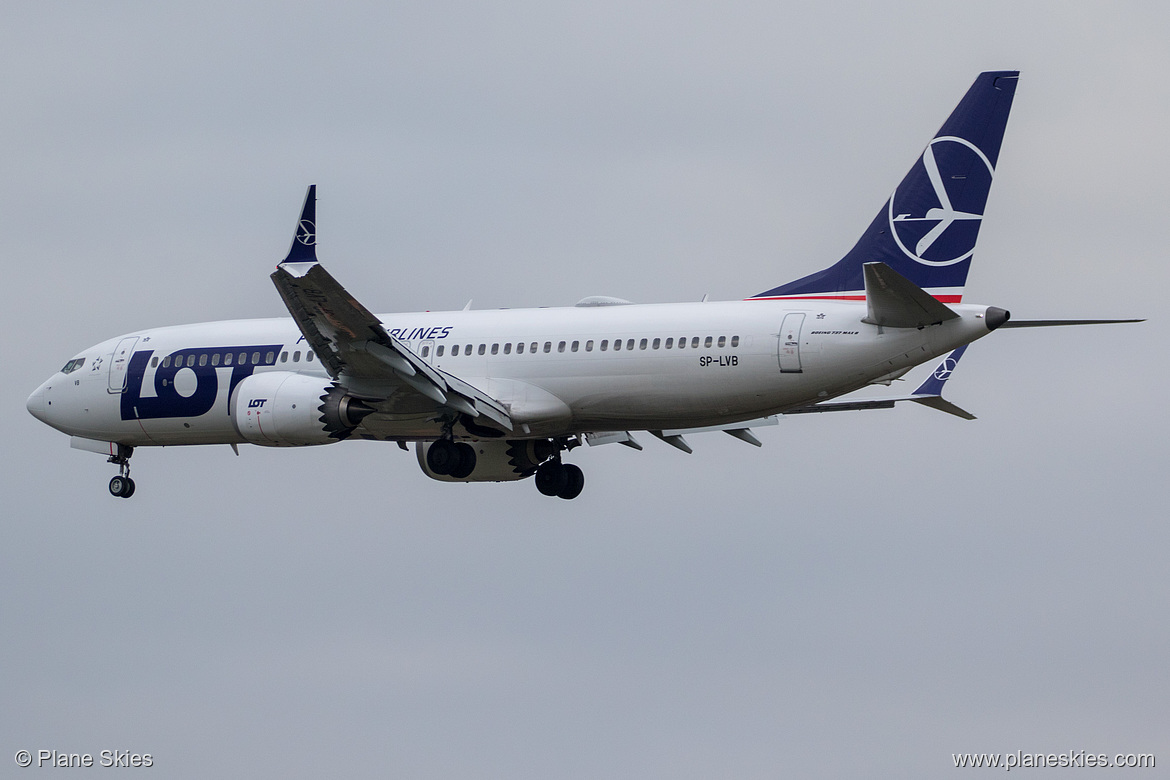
<point>520,348</point>
<point>707,342</point>
<point>735,341</point>
<point>426,350</point>
<point>227,359</point>
<point>69,366</point>
<point>561,347</point>
<point>532,347</point>
<point>642,344</point>
<point>682,342</point>
<point>190,361</point>
<point>670,343</point>
<point>269,359</point>
<point>255,358</point>
<point>283,357</point>
<point>203,359</point>
<point>722,341</point>
<point>548,346</point>
<point>215,358</point>
<point>695,342</point>
<point>482,348</point>
<point>167,362</point>
<point>243,359</point>
<point>454,350</point>
<point>495,349</point>
<point>439,351</point>
<point>617,344</point>
<point>309,356</point>
<point>296,356</point>
<point>629,343</point>
<point>508,348</point>
<point>589,345</point>
<point>574,346</point>
<point>604,344</point>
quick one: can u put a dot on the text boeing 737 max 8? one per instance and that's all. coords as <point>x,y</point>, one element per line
<point>501,395</point>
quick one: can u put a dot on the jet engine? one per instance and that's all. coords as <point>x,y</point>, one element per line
<point>494,461</point>
<point>285,409</point>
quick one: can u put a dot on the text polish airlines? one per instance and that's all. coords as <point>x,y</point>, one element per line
<point>504,395</point>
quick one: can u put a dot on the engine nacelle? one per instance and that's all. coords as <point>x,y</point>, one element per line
<point>286,409</point>
<point>496,461</point>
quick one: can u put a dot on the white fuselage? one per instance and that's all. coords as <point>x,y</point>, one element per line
<point>558,371</point>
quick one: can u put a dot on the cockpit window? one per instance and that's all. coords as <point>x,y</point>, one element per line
<point>73,365</point>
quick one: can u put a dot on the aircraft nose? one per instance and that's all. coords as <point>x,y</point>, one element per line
<point>36,404</point>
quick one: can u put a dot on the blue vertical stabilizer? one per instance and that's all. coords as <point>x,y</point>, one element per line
<point>927,229</point>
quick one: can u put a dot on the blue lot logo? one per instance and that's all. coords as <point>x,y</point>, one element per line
<point>167,401</point>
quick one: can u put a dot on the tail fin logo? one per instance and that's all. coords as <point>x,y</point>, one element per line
<point>306,233</point>
<point>955,175</point>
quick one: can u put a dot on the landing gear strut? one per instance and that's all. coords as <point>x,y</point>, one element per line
<point>122,486</point>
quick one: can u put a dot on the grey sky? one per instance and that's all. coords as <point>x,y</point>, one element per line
<point>863,597</point>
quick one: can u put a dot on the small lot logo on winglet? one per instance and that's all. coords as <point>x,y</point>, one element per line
<point>945,369</point>
<point>306,232</point>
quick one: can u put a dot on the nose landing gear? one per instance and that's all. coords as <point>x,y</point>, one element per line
<point>122,486</point>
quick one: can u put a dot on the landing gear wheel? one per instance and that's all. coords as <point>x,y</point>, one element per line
<point>466,462</point>
<point>122,487</point>
<point>552,478</point>
<point>574,482</point>
<point>443,457</point>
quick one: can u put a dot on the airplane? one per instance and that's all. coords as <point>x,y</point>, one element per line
<point>502,395</point>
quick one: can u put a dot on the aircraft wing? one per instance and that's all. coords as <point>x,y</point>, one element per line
<point>356,349</point>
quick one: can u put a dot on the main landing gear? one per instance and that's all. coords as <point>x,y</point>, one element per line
<point>542,458</point>
<point>122,486</point>
<point>563,480</point>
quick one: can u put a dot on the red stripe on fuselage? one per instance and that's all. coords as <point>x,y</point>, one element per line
<point>940,298</point>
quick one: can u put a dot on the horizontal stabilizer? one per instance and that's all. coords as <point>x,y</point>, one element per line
<point>893,301</point>
<point>943,405</point>
<point>929,393</point>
